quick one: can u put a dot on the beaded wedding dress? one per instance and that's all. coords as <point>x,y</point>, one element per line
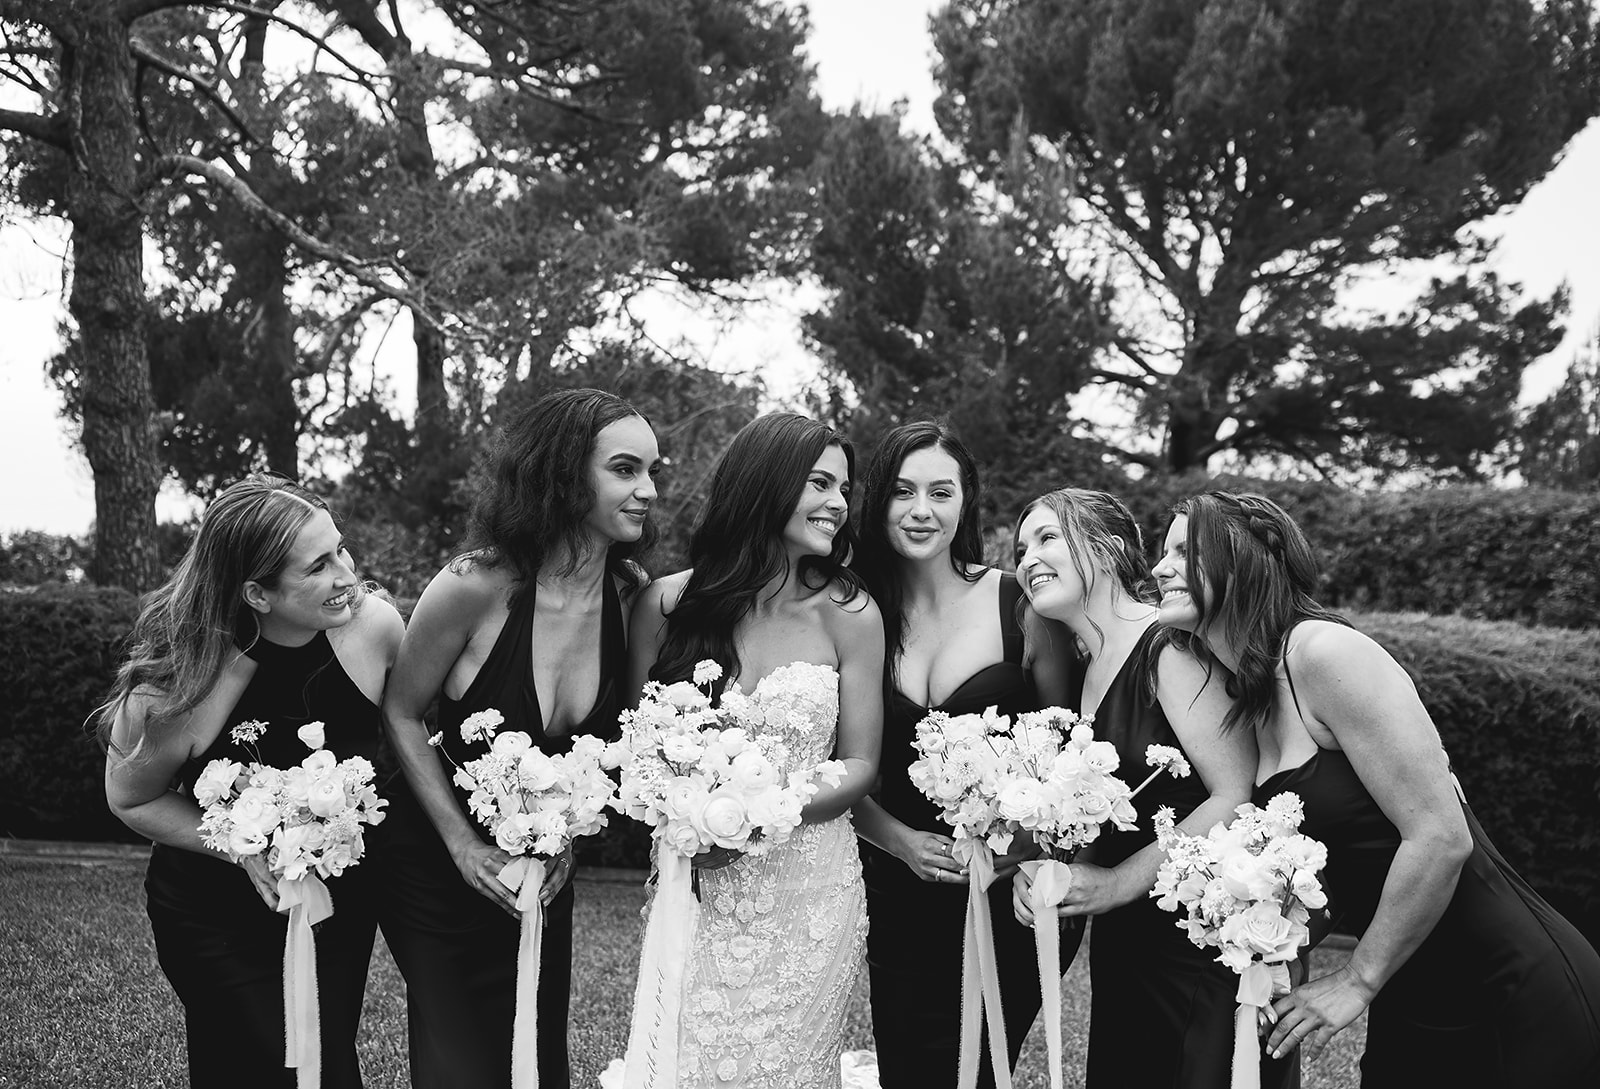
<point>780,936</point>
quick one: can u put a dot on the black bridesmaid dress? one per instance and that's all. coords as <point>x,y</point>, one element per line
<point>915,927</point>
<point>1161,1008</point>
<point>1503,992</point>
<point>218,943</point>
<point>456,948</point>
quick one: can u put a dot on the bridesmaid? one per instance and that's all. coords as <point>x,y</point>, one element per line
<point>1470,979</point>
<point>263,619</point>
<point>1161,1011</point>
<point>530,621</point>
<point>954,644</point>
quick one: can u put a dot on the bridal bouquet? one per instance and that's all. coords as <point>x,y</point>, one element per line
<point>1246,889</point>
<point>1043,774</point>
<point>307,821</point>
<point>701,777</point>
<point>534,804</point>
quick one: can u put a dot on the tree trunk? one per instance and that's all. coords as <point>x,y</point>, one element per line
<point>107,301</point>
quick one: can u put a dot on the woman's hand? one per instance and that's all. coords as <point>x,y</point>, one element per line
<point>1021,886</point>
<point>1023,849</point>
<point>1094,890</point>
<point>715,858</point>
<point>931,857</point>
<point>1310,1015</point>
<point>266,885</point>
<point>480,865</point>
<point>556,876</point>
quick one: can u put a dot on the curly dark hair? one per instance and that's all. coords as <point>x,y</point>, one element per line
<point>736,548</point>
<point>535,491</point>
<point>876,561</point>
<point>1251,577</point>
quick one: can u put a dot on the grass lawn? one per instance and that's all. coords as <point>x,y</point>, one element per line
<point>83,1003</point>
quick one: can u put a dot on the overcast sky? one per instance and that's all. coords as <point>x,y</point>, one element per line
<point>876,52</point>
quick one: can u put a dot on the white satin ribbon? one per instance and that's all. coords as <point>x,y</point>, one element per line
<point>1257,984</point>
<point>524,876</point>
<point>980,976</point>
<point>652,1057</point>
<point>307,901</point>
<point>1051,880</point>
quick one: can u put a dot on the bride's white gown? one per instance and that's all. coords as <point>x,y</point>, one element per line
<point>781,936</point>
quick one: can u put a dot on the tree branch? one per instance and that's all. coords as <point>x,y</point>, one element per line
<point>258,209</point>
<point>47,130</point>
<point>149,56</point>
<point>1132,381</point>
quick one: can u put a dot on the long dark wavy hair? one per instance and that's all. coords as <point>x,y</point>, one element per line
<point>188,626</point>
<point>535,492</point>
<point>1251,576</point>
<point>736,549</point>
<point>876,561</point>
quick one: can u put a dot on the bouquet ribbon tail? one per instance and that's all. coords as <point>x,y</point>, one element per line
<point>652,1057</point>
<point>525,876</point>
<point>1051,880</point>
<point>1255,991</point>
<point>307,902</point>
<point>980,979</point>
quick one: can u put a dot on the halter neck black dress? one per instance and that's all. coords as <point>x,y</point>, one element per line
<point>1161,1008</point>
<point>915,926</point>
<point>1503,992</point>
<point>218,942</point>
<point>457,949</point>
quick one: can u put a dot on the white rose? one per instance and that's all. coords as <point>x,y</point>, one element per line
<point>514,743</point>
<point>752,771</point>
<point>682,748</point>
<point>536,771</point>
<point>680,836</point>
<point>1247,877</point>
<point>1308,890</point>
<point>216,781</point>
<point>255,808</point>
<point>723,819</point>
<point>1264,932</point>
<point>312,735</point>
<point>326,796</point>
<point>685,697</point>
<point>1019,800</point>
<point>319,763</point>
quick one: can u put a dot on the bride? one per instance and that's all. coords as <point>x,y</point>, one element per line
<point>780,937</point>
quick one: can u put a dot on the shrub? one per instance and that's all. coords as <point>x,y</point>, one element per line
<point>1524,554</point>
<point>59,648</point>
<point>1520,717</point>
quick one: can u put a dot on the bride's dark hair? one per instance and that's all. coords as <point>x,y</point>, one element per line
<point>737,548</point>
<point>1251,576</point>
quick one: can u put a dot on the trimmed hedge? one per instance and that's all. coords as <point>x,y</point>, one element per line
<point>1517,707</point>
<point>59,649</point>
<point>1525,554</point>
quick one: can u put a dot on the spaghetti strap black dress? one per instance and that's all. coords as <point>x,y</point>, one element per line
<point>1502,993</point>
<point>456,949</point>
<point>1161,1008</point>
<point>218,942</point>
<point>915,927</point>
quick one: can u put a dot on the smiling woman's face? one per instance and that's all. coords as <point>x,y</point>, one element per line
<point>925,504</point>
<point>1175,581</point>
<point>1047,566</point>
<point>824,503</point>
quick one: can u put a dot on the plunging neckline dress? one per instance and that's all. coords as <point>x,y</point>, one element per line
<point>455,947</point>
<point>914,944</point>
<point>1161,1008</point>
